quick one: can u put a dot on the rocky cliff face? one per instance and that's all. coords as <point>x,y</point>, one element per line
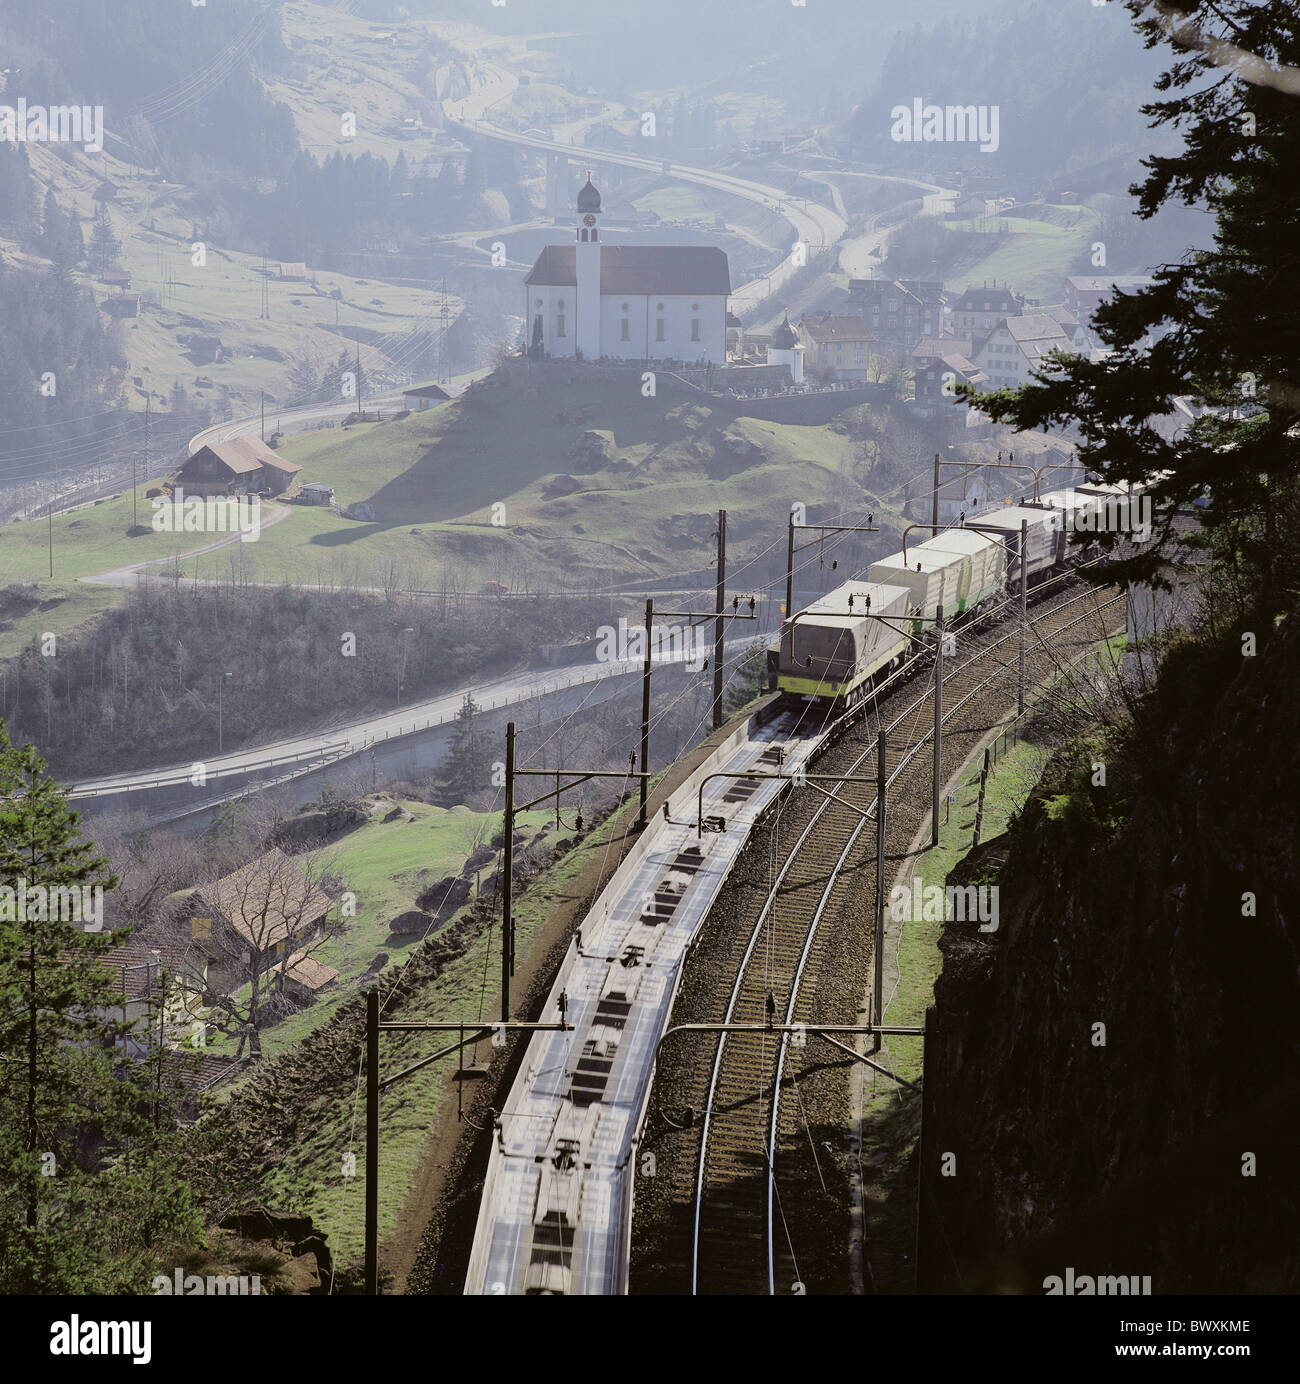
<point>1112,1079</point>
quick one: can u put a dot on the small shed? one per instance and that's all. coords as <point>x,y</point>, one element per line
<point>422,396</point>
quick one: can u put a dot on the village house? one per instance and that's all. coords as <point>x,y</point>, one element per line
<point>158,987</point>
<point>122,305</point>
<point>839,348</point>
<point>256,918</point>
<point>970,206</point>
<point>1015,348</point>
<point>929,347</point>
<point>979,310</point>
<point>1084,294</point>
<point>951,370</point>
<point>899,312</point>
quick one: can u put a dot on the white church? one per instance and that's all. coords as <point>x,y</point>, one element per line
<point>634,302</point>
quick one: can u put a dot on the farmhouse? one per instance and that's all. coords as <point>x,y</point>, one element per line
<point>242,466</point>
<point>248,921</point>
<point>631,302</point>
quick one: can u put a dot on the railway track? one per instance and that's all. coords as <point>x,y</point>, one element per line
<point>753,1216</point>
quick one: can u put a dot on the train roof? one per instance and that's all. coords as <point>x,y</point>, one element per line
<point>919,559</point>
<point>1009,517</point>
<point>956,541</point>
<point>836,602</point>
<point>1068,498</point>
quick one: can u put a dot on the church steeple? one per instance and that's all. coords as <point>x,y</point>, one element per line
<point>588,213</point>
<point>587,257</point>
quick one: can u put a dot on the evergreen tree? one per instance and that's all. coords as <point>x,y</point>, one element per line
<point>104,245</point>
<point>466,769</point>
<point>67,1104</point>
<point>1223,327</point>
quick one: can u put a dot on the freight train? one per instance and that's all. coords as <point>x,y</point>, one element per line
<point>834,652</point>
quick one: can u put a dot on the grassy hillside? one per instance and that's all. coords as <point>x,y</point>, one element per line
<point>597,484</point>
<point>386,864</point>
<point>1034,249</point>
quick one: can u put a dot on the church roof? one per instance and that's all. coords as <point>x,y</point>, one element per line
<point>784,338</point>
<point>639,269</point>
<point>588,196</point>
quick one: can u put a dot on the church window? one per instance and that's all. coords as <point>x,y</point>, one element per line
<point>624,307</point>
<point>559,325</point>
<point>560,305</point>
<point>624,333</point>
<point>695,328</point>
<point>659,328</point>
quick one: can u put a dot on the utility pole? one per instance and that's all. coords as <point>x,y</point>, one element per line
<point>1024,616</point>
<point>134,519</point>
<point>263,394</point>
<point>789,570</point>
<point>360,406</point>
<point>938,725</point>
<point>717,624</point>
<point>372,1140</point>
<point>49,515</point>
<point>577,777</point>
<point>822,530</point>
<point>934,504</point>
<point>507,879</point>
<point>645,710</point>
<point>882,788</point>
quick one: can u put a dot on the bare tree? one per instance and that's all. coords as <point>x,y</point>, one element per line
<point>256,926</point>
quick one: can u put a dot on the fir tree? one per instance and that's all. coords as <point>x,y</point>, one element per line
<point>1223,326</point>
<point>67,1104</point>
<point>104,245</point>
<point>465,771</point>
